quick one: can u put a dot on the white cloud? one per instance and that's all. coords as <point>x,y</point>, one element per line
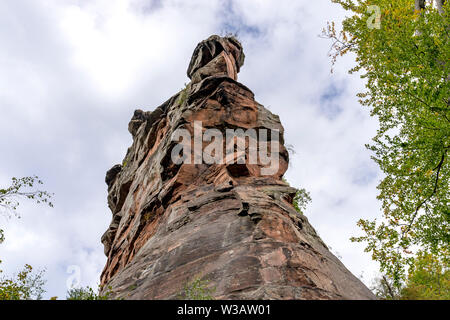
<point>74,71</point>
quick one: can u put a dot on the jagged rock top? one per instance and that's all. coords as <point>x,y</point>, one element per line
<point>216,56</point>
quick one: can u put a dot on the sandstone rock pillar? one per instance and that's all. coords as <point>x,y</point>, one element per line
<point>231,223</point>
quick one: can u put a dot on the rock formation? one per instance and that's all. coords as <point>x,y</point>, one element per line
<point>224,222</point>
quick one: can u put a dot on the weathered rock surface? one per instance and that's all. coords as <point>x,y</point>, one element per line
<point>227,223</point>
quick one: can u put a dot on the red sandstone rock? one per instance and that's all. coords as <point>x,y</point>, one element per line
<point>227,223</point>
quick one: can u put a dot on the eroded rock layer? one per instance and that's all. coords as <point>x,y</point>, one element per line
<point>225,223</point>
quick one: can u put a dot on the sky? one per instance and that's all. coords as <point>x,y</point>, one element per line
<point>72,72</point>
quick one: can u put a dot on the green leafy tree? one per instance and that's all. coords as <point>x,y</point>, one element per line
<point>301,200</point>
<point>384,288</point>
<point>86,293</point>
<point>402,51</point>
<point>22,188</point>
<point>197,289</point>
<point>26,284</point>
<point>428,279</point>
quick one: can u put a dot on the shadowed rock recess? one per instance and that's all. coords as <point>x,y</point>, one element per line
<point>225,223</point>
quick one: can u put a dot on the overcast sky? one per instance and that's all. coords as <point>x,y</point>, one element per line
<point>72,73</point>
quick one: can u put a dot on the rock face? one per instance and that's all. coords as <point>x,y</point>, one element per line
<point>226,222</point>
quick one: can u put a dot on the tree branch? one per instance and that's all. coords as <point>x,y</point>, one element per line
<point>438,168</point>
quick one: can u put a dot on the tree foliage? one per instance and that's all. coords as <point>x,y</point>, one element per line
<point>86,293</point>
<point>22,188</point>
<point>428,279</point>
<point>301,200</point>
<point>384,288</point>
<point>404,60</point>
<point>197,289</point>
<point>26,285</point>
